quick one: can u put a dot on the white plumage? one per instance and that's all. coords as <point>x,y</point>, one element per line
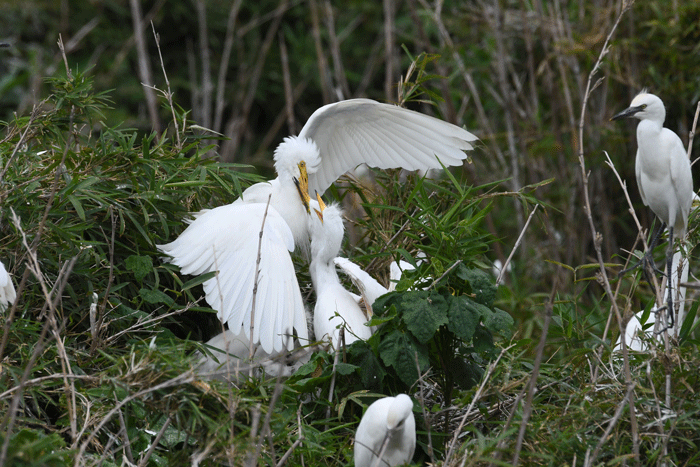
<point>7,289</point>
<point>229,358</point>
<point>336,138</point>
<point>370,288</point>
<point>390,419</point>
<point>220,240</point>
<point>663,170</point>
<point>662,167</point>
<point>335,306</point>
<point>363,131</point>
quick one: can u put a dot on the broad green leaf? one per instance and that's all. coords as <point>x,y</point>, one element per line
<point>499,322</point>
<point>399,351</point>
<point>155,297</point>
<point>463,318</point>
<point>141,266</point>
<point>372,373</point>
<point>424,313</point>
<point>481,283</point>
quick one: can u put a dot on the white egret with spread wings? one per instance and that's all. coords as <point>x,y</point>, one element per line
<point>336,138</point>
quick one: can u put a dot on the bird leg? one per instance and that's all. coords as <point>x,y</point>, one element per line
<point>647,261</point>
<point>669,276</point>
<point>670,310</point>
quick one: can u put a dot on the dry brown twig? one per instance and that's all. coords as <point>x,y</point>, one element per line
<point>167,94</point>
<point>479,392</point>
<point>98,320</point>
<point>323,69</point>
<point>243,112</point>
<point>287,82</point>
<point>616,418</point>
<point>691,135</point>
<point>143,461</point>
<point>532,384</point>
<point>504,268</point>
<point>426,419</point>
<point>342,86</point>
<point>184,378</point>
<point>223,65</point>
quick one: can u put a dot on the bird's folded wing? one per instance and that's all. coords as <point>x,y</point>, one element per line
<point>369,287</point>
<point>681,176</point>
<point>357,131</point>
<point>226,239</point>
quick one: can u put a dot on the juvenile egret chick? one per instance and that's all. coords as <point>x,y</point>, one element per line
<point>335,306</point>
<point>387,420</point>
<point>7,288</point>
<point>663,172</point>
<point>336,138</point>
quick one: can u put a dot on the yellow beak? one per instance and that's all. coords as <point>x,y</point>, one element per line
<point>303,186</point>
<point>322,205</point>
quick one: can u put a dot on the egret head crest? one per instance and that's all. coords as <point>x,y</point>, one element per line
<point>294,150</point>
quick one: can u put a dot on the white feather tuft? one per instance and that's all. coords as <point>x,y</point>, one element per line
<point>291,151</point>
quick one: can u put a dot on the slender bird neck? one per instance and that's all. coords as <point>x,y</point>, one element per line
<point>648,128</point>
<point>285,198</point>
<point>322,270</point>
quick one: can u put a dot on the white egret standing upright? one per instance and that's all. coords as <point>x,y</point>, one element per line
<point>663,173</point>
<point>335,306</point>
<point>387,420</point>
<point>336,138</point>
<point>7,288</point>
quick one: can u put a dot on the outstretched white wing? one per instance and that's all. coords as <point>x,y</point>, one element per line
<point>369,287</point>
<point>225,239</point>
<point>357,131</point>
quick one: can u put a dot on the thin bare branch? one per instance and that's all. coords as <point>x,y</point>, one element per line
<point>504,268</point>
<point>144,64</point>
<point>168,94</point>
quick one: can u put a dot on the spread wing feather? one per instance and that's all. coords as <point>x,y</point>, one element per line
<point>357,131</point>
<point>225,239</point>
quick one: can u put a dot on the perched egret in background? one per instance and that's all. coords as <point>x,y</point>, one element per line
<point>336,138</point>
<point>335,306</point>
<point>7,288</point>
<point>387,421</point>
<point>663,173</point>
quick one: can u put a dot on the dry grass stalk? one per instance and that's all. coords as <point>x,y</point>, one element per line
<point>167,94</point>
